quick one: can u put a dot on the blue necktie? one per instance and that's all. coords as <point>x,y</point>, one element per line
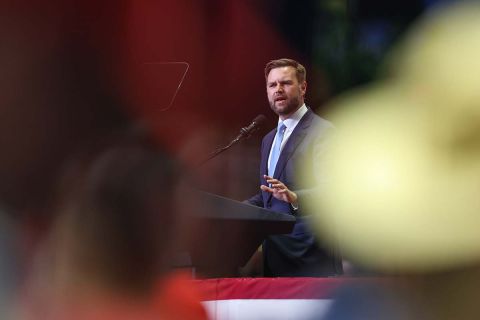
<point>277,148</point>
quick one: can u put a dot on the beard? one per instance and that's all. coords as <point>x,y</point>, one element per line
<point>290,106</point>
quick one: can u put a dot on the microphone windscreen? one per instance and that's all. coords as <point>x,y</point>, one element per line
<point>260,119</point>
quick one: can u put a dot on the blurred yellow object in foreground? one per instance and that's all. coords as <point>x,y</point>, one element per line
<point>404,169</point>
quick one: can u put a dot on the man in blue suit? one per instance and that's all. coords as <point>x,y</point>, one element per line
<point>299,140</point>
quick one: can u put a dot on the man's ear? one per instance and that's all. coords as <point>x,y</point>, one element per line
<point>303,87</point>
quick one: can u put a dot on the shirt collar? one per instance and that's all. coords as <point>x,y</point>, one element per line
<point>292,121</point>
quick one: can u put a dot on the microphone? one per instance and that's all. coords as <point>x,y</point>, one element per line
<point>245,132</point>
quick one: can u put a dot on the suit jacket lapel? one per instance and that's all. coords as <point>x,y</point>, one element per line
<point>266,150</point>
<point>293,141</point>
<point>264,162</point>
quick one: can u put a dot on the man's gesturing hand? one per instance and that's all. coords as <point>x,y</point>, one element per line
<point>279,190</point>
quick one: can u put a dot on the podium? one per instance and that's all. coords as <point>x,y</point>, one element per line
<point>227,233</point>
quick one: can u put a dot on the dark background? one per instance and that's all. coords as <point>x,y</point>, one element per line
<point>226,44</point>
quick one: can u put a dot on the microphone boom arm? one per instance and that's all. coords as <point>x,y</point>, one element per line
<point>244,134</point>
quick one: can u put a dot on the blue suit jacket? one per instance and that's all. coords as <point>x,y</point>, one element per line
<point>298,253</point>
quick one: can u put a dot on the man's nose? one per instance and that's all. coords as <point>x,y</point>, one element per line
<point>278,88</point>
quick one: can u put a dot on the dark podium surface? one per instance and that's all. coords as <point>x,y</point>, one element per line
<point>227,233</point>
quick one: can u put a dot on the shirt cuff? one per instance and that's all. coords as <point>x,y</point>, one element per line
<point>294,206</point>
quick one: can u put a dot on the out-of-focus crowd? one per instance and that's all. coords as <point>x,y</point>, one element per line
<point>88,197</point>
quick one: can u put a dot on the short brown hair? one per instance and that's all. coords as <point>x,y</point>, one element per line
<point>284,62</point>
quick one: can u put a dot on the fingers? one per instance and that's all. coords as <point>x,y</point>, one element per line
<point>267,189</point>
<point>270,179</point>
<point>278,189</point>
<point>274,183</point>
<point>274,188</point>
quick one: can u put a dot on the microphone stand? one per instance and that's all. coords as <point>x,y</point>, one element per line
<point>244,134</point>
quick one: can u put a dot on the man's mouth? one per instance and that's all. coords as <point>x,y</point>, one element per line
<point>278,99</point>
